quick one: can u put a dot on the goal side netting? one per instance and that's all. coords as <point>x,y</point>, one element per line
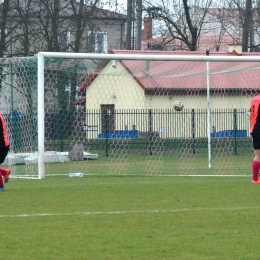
<point>114,114</point>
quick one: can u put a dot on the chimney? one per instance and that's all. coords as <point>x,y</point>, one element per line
<point>235,48</point>
<point>148,29</point>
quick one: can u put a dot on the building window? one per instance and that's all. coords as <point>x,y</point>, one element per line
<point>97,42</point>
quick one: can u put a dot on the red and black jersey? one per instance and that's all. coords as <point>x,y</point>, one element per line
<point>255,115</point>
<point>3,134</point>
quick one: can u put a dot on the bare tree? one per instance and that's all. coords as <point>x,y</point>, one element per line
<point>243,21</point>
<point>3,23</point>
<point>21,26</point>
<point>247,24</point>
<point>184,22</point>
<point>55,25</point>
<point>189,24</point>
<point>80,18</point>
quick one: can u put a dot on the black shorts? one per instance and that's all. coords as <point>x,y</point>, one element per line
<point>256,141</point>
<point>3,152</point>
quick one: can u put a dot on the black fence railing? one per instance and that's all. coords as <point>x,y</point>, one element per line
<point>101,129</point>
<point>167,123</point>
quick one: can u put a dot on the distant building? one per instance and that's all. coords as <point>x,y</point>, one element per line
<point>31,26</point>
<point>151,82</point>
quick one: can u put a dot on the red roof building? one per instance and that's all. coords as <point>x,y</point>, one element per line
<point>171,76</point>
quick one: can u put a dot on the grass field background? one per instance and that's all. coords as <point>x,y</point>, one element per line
<point>130,217</point>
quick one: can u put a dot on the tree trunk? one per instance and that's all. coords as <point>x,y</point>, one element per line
<point>247,25</point>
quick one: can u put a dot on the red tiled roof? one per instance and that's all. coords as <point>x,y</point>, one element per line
<point>79,101</point>
<point>187,75</point>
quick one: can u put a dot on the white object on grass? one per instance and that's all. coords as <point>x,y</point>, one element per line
<point>76,174</point>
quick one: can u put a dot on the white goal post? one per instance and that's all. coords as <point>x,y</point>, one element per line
<point>151,105</point>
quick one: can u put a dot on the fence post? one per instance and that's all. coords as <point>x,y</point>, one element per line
<point>150,132</point>
<point>61,128</point>
<point>193,130</point>
<point>235,130</point>
<point>106,130</point>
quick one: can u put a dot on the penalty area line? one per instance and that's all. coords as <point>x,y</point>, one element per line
<point>123,212</point>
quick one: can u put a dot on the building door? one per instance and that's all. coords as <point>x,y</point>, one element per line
<point>108,118</point>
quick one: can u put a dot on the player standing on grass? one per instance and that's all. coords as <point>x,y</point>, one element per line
<point>255,133</point>
<point>4,148</point>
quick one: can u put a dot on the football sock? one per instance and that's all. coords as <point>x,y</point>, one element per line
<point>1,180</point>
<point>255,169</point>
<point>2,171</point>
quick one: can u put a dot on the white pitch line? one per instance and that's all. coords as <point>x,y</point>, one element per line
<point>123,212</point>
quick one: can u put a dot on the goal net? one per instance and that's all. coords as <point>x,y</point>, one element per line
<point>113,113</point>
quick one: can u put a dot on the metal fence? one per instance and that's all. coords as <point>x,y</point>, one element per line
<point>189,123</point>
<point>99,129</point>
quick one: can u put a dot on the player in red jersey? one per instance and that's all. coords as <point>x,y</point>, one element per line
<point>4,148</point>
<point>255,133</point>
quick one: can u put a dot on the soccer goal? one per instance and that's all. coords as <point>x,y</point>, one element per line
<point>114,114</point>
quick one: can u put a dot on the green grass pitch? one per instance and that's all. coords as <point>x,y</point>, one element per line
<point>130,217</point>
